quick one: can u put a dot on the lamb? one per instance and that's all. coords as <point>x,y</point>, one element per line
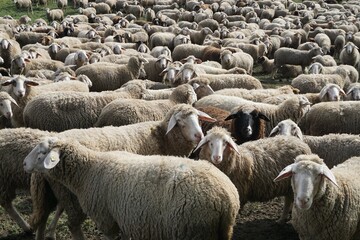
<point>350,55</point>
<point>291,56</point>
<point>106,76</point>
<point>252,165</point>
<point>21,91</point>
<point>239,59</point>
<point>353,92</point>
<point>88,107</point>
<point>221,81</point>
<point>217,207</point>
<point>330,117</point>
<point>313,83</point>
<point>123,112</point>
<point>325,200</point>
<point>54,15</point>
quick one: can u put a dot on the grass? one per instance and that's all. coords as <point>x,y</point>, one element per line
<point>7,7</point>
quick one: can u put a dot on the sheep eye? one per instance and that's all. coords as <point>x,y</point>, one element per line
<point>1,104</point>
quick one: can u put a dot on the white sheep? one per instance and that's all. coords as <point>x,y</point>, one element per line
<point>333,148</point>
<point>313,83</point>
<point>323,41</point>
<point>124,111</point>
<point>79,58</point>
<point>331,117</point>
<point>252,165</point>
<point>107,76</point>
<point>353,92</point>
<point>325,201</point>
<point>22,92</point>
<point>24,4</point>
<point>209,212</point>
<point>238,59</point>
<point>350,55</point>
<point>8,50</point>
<point>81,110</point>
<point>291,56</point>
<point>54,14</point>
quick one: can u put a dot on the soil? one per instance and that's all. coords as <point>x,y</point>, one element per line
<point>257,221</point>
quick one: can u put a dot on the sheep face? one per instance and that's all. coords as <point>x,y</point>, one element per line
<point>215,143</point>
<point>354,94</point>
<point>5,44</point>
<point>19,85</point>
<point>308,174</point>
<point>288,128</point>
<point>5,107</point>
<point>42,157</point>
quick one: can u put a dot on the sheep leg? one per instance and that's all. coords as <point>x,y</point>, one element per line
<point>274,71</point>
<point>76,232</point>
<point>10,209</point>
<point>287,206</point>
<point>52,227</point>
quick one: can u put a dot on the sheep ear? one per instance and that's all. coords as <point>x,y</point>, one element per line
<point>350,90</point>
<point>205,117</point>
<point>264,117</point>
<point>274,132</point>
<point>231,116</point>
<point>8,82</point>
<point>328,174</point>
<point>285,173</point>
<point>198,61</point>
<point>13,101</point>
<point>232,145</point>
<point>342,92</point>
<point>52,159</point>
<point>201,143</point>
<point>31,83</point>
<point>172,123</point>
<point>163,72</point>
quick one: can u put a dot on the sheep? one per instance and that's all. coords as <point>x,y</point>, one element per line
<point>15,145</point>
<point>155,66</point>
<point>353,92</point>
<point>220,81</point>
<point>181,39</point>
<point>313,83</point>
<point>333,148</point>
<point>189,70</point>
<point>295,57</point>
<point>8,50</point>
<point>325,200</point>
<point>350,55</point>
<point>88,107</point>
<point>246,125</point>
<point>216,223</point>
<point>325,60</point>
<point>331,117</point>
<point>324,42</point>
<point>238,59</point>
<point>184,50</point>
<point>5,105</point>
<point>24,4</point>
<point>22,92</point>
<point>162,39</point>
<point>255,51</point>
<point>123,112</point>
<point>54,15</point>
<point>339,44</point>
<point>295,107</point>
<point>34,64</point>
<point>106,76</point>
<point>79,58</point>
<point>267,64</point>
<point>257,95</point>
<point>62,4</point>
<point>252,165</point>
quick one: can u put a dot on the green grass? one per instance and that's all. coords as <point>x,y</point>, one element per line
<point>7,7</point>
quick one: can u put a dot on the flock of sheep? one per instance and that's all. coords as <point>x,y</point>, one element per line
<point>145,117</point>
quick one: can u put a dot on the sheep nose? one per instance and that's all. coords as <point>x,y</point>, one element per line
<point>8,115</point>
<point>20,94</point>
<point>303,201</point>
<point>217,158</point>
